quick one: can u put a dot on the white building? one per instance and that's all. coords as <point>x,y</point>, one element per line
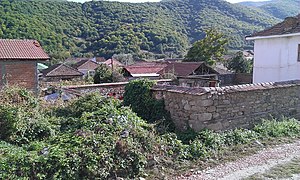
<point>277,52</point>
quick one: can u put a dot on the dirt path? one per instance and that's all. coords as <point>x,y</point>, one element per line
<point>259,163</point>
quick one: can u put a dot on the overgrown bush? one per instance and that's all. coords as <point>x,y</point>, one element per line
<point>278,128</point>
<point>98,139</point>
<point>21,120</point>
<point>104,74</point>
<point>138,96</point>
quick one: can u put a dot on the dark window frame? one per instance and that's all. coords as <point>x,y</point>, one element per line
<point>298,58</point>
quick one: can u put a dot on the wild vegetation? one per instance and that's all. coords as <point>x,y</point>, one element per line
<point>98,137</point>
<point>101,28</point>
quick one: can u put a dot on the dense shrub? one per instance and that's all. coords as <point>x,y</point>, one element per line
<point>138,96</point>
<point>98,139</point>
<point>275,128</point>
<point>21,120</point>
<point>104,74</point>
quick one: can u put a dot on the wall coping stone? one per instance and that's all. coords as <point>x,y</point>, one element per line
<point>225,89</point>
<point>107,84</point>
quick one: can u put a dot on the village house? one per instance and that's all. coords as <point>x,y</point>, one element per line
<point>86,66</point>
<point>59,72</point>
<point>277,52</point>
<point>156,70</point>
<point>112,63</point>
<point>18,62</point>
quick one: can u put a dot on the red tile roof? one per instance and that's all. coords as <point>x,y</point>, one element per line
<point>61,70</point>
<point>145,68</point>
<point>289,26</point>
<point>178,68</point>
<point>16,49</point>
<point>79,65</point>
<point>114,61</point>
<point>181,68</point>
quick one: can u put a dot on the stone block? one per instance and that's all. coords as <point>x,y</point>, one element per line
<point>205,116</point>
<point>211,109</point>
<point>187,107</point>
<point>205,102</point>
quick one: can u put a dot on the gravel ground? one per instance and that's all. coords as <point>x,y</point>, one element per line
<point>247,166</point>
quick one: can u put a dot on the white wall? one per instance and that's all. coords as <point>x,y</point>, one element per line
<point>275,59</point>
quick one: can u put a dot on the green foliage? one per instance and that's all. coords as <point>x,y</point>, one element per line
<point>239,64</point>
<point>138,96</point>
<point>209,49</point>
<point>101,28</point>
<point>275,128</point>
<point>95,137</point>
<point>21,119</point>
<point>282,8</point>
<point>103,74</point>
<point>98,139</point>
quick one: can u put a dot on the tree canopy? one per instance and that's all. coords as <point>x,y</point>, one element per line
<point>101,28</point>
<point>209,49</point>
<point>239,64</point>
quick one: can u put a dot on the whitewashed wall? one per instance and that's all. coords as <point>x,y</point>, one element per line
<point>275,59</point>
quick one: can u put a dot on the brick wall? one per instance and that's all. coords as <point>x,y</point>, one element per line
<point>230,106</point>
<point>21,73</point>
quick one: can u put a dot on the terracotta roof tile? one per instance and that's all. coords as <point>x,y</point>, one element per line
<point>61,70</point>
<point>84,61</point>
<point>288,26</point>
<point>16,49</point>
<point>145,68</point>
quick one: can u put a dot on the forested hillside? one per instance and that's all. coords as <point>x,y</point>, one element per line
<point>278,8</point>
<point>102,28</point>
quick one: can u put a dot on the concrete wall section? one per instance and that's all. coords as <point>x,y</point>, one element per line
<point>231,106</point>
<point>275,59</point>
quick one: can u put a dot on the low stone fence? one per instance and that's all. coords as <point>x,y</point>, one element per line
<point>106,89</point>
<point>229,107</point>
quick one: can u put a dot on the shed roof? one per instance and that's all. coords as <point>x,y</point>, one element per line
<point>61,70</point>
<point>18,49</point>
<point>181,68</point>
<point>82,62</point>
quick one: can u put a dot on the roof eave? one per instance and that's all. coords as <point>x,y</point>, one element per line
<point>249,38</point>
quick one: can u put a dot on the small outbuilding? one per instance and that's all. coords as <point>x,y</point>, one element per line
<point>59,72</point>
<point>86,66</point>
<point>18,62</point>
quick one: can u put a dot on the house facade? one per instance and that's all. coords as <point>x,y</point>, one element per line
<point>277,52</point>
<point>18,62</point>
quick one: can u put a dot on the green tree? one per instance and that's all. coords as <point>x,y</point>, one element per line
<point>239,64</point>
<point>209,49</point>
<point>103,74</point>
<point>138,96</point>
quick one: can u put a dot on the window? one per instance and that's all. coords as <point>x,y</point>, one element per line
<point>298,53</point>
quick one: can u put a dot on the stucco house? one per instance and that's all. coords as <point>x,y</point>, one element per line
<point>18,62</point>
<point>277,52</point>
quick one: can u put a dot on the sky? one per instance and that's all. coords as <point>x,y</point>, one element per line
<point>137,1</point>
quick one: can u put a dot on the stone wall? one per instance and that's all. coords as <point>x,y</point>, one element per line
<point>222,108</point>
<point>106,89</point>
